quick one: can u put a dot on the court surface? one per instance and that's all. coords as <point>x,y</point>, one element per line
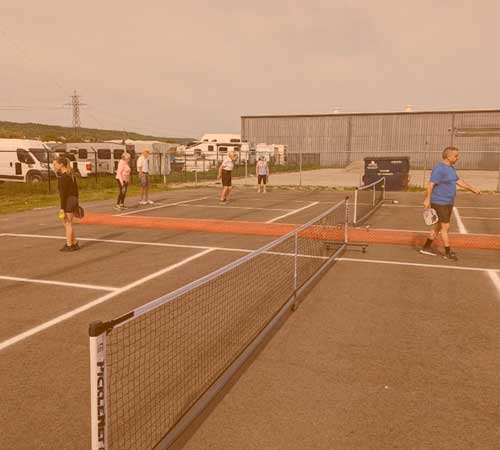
<point>391,349</point>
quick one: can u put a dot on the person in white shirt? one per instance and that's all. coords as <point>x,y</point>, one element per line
<point>225,171</point>
<point>143,170</point>
<point>262,172</point>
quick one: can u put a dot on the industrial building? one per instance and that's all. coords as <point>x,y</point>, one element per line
<point>339,139</point>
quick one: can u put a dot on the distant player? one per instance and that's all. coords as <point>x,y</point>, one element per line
<point>262,172</point>
<point>143,170</point>
<point>225,173</point>
<point>441,192</point>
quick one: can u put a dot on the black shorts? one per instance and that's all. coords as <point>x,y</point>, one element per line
<point>226,178</point>
<point>262,179</point>
<point>443,212</point>
<point>71,204</point>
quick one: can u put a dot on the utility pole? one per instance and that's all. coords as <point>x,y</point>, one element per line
<point>75,104</point>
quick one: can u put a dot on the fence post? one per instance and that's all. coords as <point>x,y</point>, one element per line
<point>165,165</point>
<point>425,162</point>
<point>300,167</point>
<point>48,169</point>
<point>160,155</point>
<point>246,172</point>
<point>498,181</point>
<point>95,162</point>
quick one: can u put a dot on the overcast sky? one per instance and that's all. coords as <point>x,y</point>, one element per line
<point>187,67</point>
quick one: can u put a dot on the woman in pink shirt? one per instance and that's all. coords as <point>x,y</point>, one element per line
<point>123,177</point>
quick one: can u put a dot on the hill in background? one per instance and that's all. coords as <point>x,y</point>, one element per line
<point>66,134</point>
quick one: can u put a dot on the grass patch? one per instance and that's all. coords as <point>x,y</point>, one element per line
<point>30,197</point>
<point>16,197</point>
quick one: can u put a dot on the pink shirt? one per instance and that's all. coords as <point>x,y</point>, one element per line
<point>123,171</point>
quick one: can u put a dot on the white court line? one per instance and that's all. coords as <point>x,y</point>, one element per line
<point>481,218</point>
<point>460,224</point>
<point>104,298</point>
<point>402,263</point>
<point>295,211</point>
<point>307,201</point>
<point>159,244</point>
<point>491,273</point>
<point>422,206</point>
<point>495,278</point>
<point>128,213</point>
<point>236,207</point>
<point>416,231</point>
<point>60,283</point>
<point>153,244</point>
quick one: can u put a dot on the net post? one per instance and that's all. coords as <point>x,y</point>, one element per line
<point>346,223</point>
<point>374,195</point>
<point>295,270</point>
<point>98,386</point>
<point>383,189</point>
<point>355,206</point>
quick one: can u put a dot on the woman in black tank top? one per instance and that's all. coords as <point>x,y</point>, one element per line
<point>68,193</point>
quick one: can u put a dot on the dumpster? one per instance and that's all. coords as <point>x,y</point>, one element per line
<point>395,170</point>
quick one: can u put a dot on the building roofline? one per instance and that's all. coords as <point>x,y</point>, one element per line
<point>384,113</point>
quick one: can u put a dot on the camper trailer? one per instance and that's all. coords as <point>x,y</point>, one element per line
<point>24,161</point>
<point>159,154</point>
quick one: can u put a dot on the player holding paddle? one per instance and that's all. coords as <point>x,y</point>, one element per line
<point>440,196</point>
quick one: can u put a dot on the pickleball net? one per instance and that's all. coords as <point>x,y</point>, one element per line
<point>367,199</point>
<point>154,369</point>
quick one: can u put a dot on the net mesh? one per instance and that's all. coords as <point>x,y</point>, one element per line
<point>367,199</point>
<point>162,361</point>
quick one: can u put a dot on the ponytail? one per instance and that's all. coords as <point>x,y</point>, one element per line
<point>67,165</point>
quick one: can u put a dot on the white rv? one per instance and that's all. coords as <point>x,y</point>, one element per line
<point>275,154</point>
<point>228,138</point>
<point>24,161</point>
<point>204,156</point>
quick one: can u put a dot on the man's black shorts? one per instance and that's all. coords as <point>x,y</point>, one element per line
<point>443,212</point>
<point>226,177</point>
<point>261,179</point>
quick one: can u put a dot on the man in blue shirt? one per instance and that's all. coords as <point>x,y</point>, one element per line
<point>441,192</point>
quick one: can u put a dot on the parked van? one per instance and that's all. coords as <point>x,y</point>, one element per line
<point>24,161</point>
<point>102,157</point>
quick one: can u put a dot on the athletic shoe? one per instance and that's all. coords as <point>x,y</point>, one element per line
<point>451,256</point>
<point>428,251</point>
<point>142,202</point>
<point>150,202</point>
<point>66,248</point>
<point>123,207</point>
<point>118,207</point>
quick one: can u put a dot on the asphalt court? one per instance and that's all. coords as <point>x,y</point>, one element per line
<point>48,298</point>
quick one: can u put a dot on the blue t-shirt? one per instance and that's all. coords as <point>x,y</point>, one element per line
<point>445,178</point>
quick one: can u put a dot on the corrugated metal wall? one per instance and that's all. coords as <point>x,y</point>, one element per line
<point>341,139</point>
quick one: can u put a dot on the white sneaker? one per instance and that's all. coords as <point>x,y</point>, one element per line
<point>142,202</point>
<point>150,202</point>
